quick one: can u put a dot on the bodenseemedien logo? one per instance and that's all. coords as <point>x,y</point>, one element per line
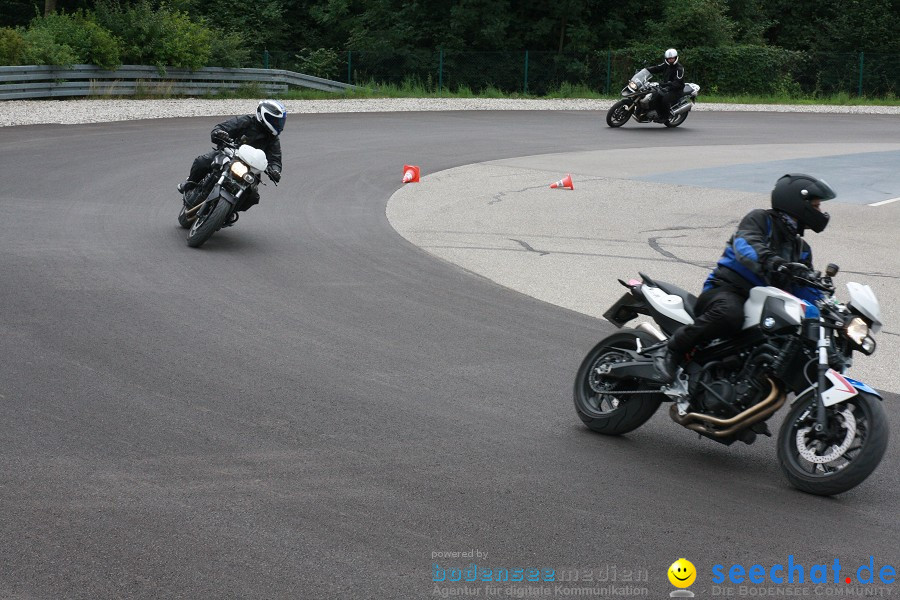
<point>682,574</point>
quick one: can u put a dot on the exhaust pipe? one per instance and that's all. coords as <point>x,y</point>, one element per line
<point>193,211</point>
<point>758,412</point>
<point>682,109</point>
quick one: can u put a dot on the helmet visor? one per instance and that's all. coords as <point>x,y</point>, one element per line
<point>276,122</point>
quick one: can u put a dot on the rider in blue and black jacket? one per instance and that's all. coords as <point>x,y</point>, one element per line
<point>767,249</point>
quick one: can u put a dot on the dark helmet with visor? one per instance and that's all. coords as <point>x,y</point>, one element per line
<point>792,195</point>
<point>272,114</point>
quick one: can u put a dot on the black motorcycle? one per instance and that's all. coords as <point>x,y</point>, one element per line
<point>211,204</point>
<point>835,432</point>
<point>637,103</point>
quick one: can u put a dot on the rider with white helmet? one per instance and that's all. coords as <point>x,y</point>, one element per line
<point>672,85</point>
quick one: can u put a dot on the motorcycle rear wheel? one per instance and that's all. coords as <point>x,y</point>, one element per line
<point>828,468</point>
<point>595,396</point>
<point>677,119</point>
<point>207,225</point>
<point>618,114</point>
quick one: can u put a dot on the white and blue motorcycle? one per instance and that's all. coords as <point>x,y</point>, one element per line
<point>835,432</point>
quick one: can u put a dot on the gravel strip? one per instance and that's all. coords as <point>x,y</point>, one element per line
<point>70,112</point>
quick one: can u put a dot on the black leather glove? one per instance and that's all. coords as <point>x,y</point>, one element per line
<point>220,136</point>
<point>794,270</point>
<point>274,175</point>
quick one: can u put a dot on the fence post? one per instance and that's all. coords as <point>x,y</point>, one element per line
<point>350,66</point>
<point>525,87</point>
<point>608,68</point>
<point>440,70</point>
<point>265,58</point>
<point>859,90</point>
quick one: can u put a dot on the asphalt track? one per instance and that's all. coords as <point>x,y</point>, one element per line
<point>312,407</point>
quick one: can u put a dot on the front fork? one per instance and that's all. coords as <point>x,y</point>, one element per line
<point>199,210</point>
<point>822,345</point>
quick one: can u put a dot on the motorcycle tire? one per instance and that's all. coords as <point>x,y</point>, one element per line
<point>205,226</point>
<point>618,114</point>
<point>825,468</point>
<point>676,120</point>
<point>603,412</point>
<point>183,220</point>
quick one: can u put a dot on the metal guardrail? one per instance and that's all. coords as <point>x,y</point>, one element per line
<point>41,81</point>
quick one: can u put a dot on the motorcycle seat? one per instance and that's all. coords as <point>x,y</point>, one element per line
<point>689,300</point>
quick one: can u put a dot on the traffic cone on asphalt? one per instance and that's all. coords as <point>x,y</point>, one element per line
<point>565,182</point>
<point>410,174</point>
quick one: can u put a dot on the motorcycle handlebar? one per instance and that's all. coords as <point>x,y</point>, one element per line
<point>816,281</point>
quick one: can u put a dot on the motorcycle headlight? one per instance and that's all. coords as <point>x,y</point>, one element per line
<point>632,85</point>
<point>857,330</point>
<point>239,169</point>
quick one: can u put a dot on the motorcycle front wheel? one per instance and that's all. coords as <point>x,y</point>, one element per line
<point>843,456</point>
<point>183,220</point>
<point>619,113</point>
<point>208,224</point>
<point>597,401</point>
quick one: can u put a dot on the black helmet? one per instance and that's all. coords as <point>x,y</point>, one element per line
<point>792,194</point>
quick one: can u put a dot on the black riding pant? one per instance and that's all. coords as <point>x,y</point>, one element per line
<point>664,100</point>
<point>201,168</point>
<point>720,314</point>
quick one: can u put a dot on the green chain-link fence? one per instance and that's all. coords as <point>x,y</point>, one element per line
<point>732,70</point>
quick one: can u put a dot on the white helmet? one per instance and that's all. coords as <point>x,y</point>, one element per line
<point>670,54</point>
<point>272,114</point>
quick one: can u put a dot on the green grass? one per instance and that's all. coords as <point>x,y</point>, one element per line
<point>842,99</point>
<point>413,88</point>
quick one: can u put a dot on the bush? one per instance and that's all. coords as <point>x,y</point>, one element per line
<point>12,46</point>
<point>90,43</point>
<point>187,43</point>
<point>42,49</point>
<point>725,70</point>
<point>746,69</point>
<point>322,62</point>
<point>229,49</point>
<point>156,35</point>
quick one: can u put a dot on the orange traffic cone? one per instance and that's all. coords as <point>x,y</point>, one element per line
<point>410,174</point>
<point>565,182</point>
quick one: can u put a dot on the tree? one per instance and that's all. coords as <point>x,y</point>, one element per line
<point>750,21</point>
<point>263,26</point>
<point>688,23</point>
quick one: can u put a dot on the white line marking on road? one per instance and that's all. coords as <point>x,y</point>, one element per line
<point>885,202</point>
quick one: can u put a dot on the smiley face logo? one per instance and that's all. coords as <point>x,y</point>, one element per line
<point>682,573</point>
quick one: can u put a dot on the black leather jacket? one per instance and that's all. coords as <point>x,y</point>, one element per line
<point>245,129</point>
<point>673,75</point>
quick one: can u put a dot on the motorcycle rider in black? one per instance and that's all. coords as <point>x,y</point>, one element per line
<point>671,87</point>
<point>767,249</point>
<point>260,131</point>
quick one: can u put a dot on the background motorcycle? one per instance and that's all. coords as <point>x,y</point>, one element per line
<point>636,104</point>
<point>835,432</point>
<point>208,205</point>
